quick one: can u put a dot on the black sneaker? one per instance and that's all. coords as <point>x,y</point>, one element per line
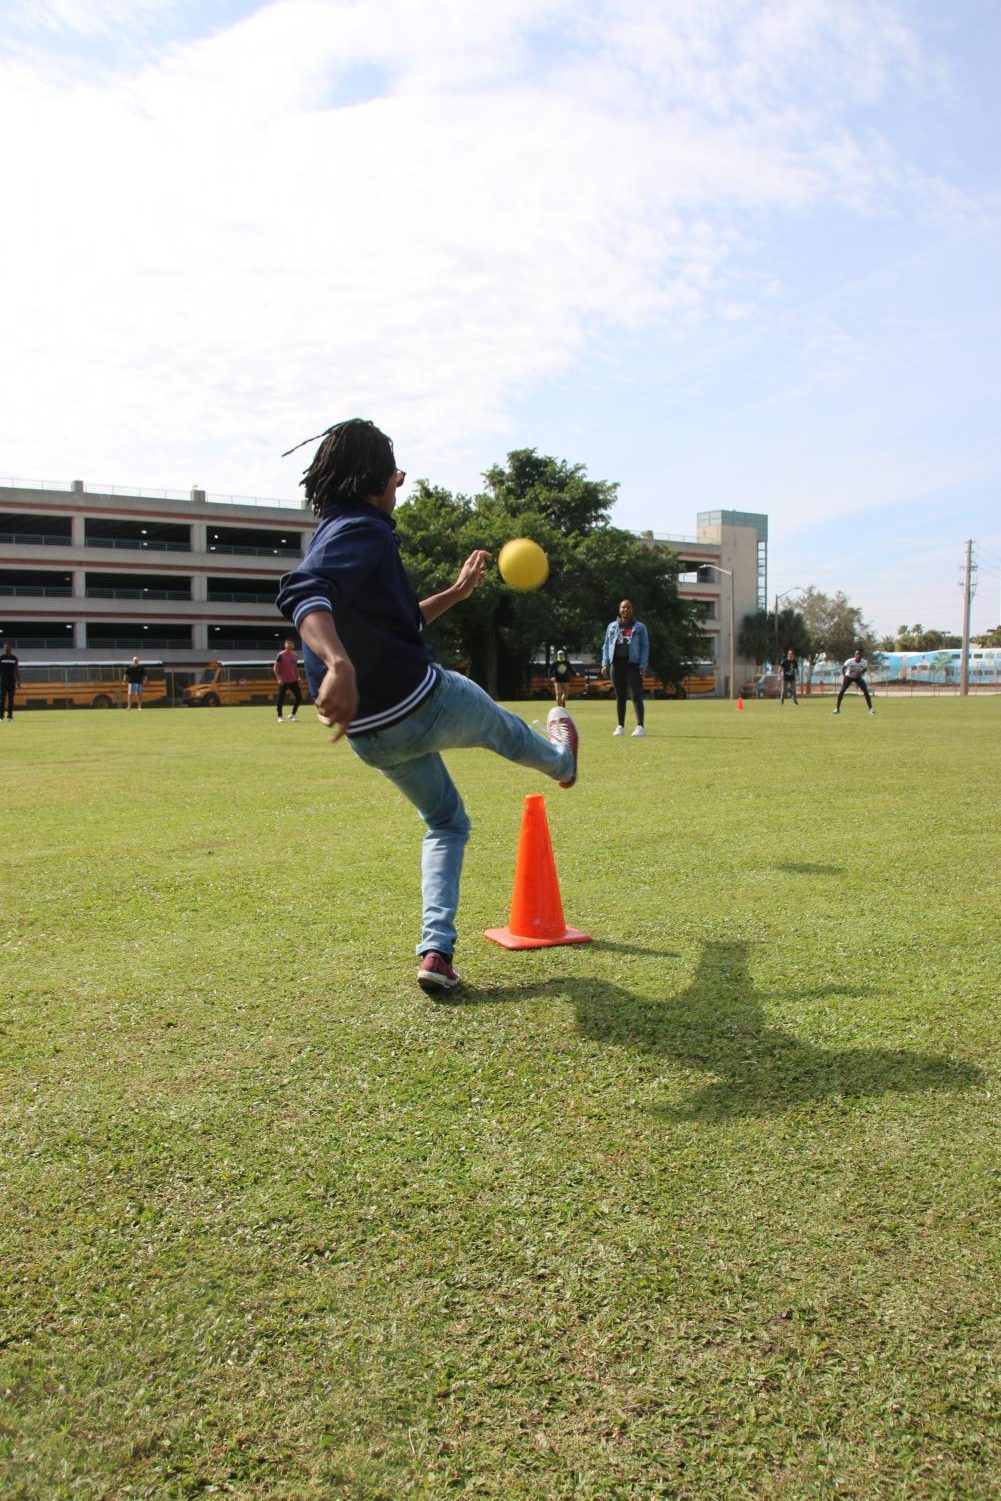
<point>563,732</point>
<point>437,973</point>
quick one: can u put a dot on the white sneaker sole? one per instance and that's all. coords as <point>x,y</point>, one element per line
<point>428,980</point>
<point>572,740</point>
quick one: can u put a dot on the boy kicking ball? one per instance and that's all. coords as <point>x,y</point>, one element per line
<point>372,676</point>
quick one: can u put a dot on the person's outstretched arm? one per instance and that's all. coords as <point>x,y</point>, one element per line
<point>470,574</point>
<point>337,701</point>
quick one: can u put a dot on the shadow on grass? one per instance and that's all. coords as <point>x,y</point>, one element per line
<point>606,946</point>
<point>716,1025</point>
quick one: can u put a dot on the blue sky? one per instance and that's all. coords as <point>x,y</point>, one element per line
<point>733,255</point>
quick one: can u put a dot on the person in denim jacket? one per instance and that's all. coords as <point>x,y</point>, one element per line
<point>626,652</point>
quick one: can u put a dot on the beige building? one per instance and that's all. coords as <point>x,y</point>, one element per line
<point>725,571</point>
<point>186,579</point>
<point>90,574</point>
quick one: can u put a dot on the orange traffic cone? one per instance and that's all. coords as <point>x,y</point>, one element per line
<point>537,920</point>
<point>740,703</point>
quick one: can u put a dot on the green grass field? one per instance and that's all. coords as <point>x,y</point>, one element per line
<point>705,1209</point>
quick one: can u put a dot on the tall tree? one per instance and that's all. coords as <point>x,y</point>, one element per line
<point>494,631</point>
<point>791,630</point>
<point>916,638</point>
<point>766,637</point>
<point>756,639</point>
<point>614,565</point>
<point>558,492</point>
<point>834,627</point>
<point>593,565</point>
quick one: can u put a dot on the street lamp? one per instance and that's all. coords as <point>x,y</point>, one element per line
<point>729,573</point>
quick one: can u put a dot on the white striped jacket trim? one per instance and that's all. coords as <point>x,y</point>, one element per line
<point>399,711</point>
<point>318,602</point>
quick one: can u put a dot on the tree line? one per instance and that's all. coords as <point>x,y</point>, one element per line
<point>818,625</point>
<point>814,625</point>
<point>592,567</point>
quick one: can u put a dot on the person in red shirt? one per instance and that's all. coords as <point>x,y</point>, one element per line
<point>287,675</point>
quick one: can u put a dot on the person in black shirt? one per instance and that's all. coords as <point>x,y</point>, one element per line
<point>790,668</point>
<point>135,676</point>
<point>562,673</point>
<point>10,679</point>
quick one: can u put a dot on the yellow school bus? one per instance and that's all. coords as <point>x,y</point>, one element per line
<point>697,684</point>
<point>589,683</point>
<point>83,685</point>
<point>236,683</point>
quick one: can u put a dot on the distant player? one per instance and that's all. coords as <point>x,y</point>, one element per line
<point>10,679</point>
<point>625,653</point>
<point>135,676</point>
<point>562,673</point>
<point>373,678</point>
<point>287,676</point>
<point>790,671</point>
<point>854,671</point>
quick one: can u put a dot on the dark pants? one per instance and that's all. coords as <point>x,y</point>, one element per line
<point>788,690</point>
<point>295,691</point>
<point>862,684</point>
<point>7,700</point>
<point>627,679</point>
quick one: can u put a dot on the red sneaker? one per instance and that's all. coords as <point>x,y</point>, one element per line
<point>436,973</point>
<point>563,732</point>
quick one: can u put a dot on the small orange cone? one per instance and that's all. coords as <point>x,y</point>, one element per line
<point>536,920</point>
<point>740,703</point>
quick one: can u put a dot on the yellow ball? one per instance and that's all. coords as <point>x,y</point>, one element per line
<point>523,565</point>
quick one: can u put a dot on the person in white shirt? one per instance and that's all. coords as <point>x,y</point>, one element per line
<point>854,671</point>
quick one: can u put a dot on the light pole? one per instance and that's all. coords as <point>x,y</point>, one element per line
<point>729,573</point>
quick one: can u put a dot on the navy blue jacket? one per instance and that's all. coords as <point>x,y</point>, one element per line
<point>353,569</point>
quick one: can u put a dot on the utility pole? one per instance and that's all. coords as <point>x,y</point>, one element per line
<point>964,669</point>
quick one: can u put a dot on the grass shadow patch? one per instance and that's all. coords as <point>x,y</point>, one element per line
<point>717,1025</point>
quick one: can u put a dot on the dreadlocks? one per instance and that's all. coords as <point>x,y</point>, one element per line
<point>353,461</point>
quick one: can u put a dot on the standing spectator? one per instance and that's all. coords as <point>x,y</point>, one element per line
<point>854,671</point>
<point>10,679</point>
<point>287,674</point>
<point>626,651</point>
<point>562,673</point>
<point>790,672</point>
<point>135,676</point>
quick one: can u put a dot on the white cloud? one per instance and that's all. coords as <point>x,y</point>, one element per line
<point>215,254</point>
<point>86,18</point>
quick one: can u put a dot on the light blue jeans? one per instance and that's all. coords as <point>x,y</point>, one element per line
<point>457,714</point>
